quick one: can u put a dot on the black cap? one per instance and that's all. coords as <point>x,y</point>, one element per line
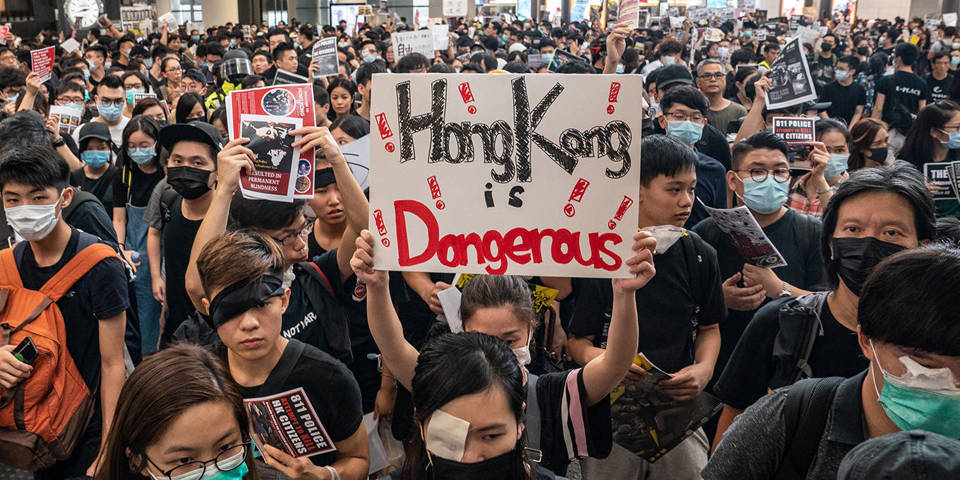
<point>97,130</point>
<point>910,454</point>
<point>672,74</point>
<point>195,131</point>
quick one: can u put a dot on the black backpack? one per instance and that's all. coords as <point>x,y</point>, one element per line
<point>323,299</point>
<point>799,326</point>
<point>805,412</point>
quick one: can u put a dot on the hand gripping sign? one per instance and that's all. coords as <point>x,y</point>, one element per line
<point>537,179</point>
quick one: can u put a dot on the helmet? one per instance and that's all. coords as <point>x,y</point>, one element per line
<point>235,66</point>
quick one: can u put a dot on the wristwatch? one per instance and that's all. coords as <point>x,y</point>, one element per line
<point>785,290</point>
<point>59,142</point>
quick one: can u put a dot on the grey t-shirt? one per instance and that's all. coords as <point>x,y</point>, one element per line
<point>720,119</point>
<point>153,215</point>
<point>754,446</point>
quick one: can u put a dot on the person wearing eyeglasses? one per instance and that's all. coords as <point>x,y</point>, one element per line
<point>760,179</point>
<point>110,98</point>
<point>712,81</point>
<point>179,416</point>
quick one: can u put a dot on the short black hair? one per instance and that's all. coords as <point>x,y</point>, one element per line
<point>264,214</point>
<point>744,55</point>
<point>26,127</point>
<point>490,43</point>
<point>36,165</point>
<point>353,125</point>
<point>900,179</point>
<point>576,67</point>
<point>320,95</point>
<point>850,60</point>
<point>516,67</point>
<point>672,157</point>
<point>685,95</point>
<point>761,140</point>
<point>110,81</point>
<point>281,48</point>
<point>98,49</point>
<point>908,300</point>
<point>440,67</point>
<point>12,77</point>
<point>770,46</point>
<point>948,230</point>
<point>366,70</point>
<point>70,87</point>
<point>906,52</point>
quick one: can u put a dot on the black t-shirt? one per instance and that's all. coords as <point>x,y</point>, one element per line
<point>313,247</point>
<point>134,186</point>
<point>939,89</point>
<point>902,92</point>
<point>101,187</point>
<point>748,374</point>
<point>823,68</point>
<point>844,100</point>
<point>301,320</point>
<point>564,432</point>
<point>329,386</point>
<point>669,308</point>
<point>178,236</point>
<point>711,188</point>
<point>796,236</point>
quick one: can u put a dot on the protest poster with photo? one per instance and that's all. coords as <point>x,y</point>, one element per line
<point>790,78</point>
<point>42,62</point>
<point>441,36</point>
<point>950,19</point>
<point>629,13</point>
<point>954,173</point>
<point>325,54</point>
<point>357,155</point>
<point>505,174</point>
<point>284,77</point>
<point>4,30</point>
<point>563,57</point>
<point>288,422</point>
<point>405,43</point>
<point>140,17</point>
<point>67,117</point>
<point>650,423</point>
<point>140,96</point>
<point>711,34</point>
<point>799,133</point>
<point>266,116</point>
<point>747,236</point>
<point>454,8</point>
<point>172,23</point>
<point>938,175</point>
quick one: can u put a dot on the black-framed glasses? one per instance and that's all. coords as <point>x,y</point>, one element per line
<point>288,240</point>
<point>695,117</point>
<point>112,101</point>
<point>780,175</point>
<point>228,459</point>
<point>714,76</point>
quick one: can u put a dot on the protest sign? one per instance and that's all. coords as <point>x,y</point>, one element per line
<point>140,96</point>
<point>172,23</point>
<point>454,8</point>
<point>711,34</point>
<point>325,54</point>
<point>938,175</point>
<point>630,13</point>
<point>357,155</point>
<point>536,163</point>
<point>747,236</point>
<point>284,77</point>
<point>140,17</point>
<point>365,10</point>
<point>247,31</point>
<point>4,30</point>
<point>799,134</point>
<point>266,116</point>
<point>790,78</point>
<point>808,35</point>
<point>346,13</point>
<point>288,422</point>
<point>70,45</point>
<point>954,173</point>
<point>563,57</point>
<point>441,36</point>
<point>650,423</point>
<point>67,117</point>
<point>41,62</point>
<point>795,23</point>
<point>747,5</point>
<point>950,19</point>
<point>405,43</point>
<point>843,29</point>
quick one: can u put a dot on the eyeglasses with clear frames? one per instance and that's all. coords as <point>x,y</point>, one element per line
<point>695,117</point>
<point>780,175</point>
<point>228,459</point>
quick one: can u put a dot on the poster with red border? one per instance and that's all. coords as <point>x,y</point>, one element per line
<point>283,173</point>
<point>42,62</point>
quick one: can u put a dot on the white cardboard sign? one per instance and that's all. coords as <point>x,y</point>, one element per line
<point>505,174</point>
<point>405,43</point>
<point>454,8</point>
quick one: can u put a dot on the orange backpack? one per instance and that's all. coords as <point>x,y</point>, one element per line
<point>44,416</point>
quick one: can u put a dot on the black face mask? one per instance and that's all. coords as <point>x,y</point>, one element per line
<point>189,182</point>
<point>865,51</point>
<point>854,259</point>
<point>826,47</point>
<point>507,466</point>
<point>878,155</point>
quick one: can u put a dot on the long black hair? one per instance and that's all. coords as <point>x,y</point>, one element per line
<point>139,123</point>
<point>349,86</point>
<point>918,147</point>
<point>482,362</point>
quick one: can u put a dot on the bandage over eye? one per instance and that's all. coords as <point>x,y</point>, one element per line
<point>446,436</point>
<point>324,177</point>
<point>239,297</point>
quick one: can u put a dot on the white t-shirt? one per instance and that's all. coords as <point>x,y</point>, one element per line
<point>116,131</point>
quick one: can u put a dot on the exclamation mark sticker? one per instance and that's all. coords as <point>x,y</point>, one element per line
<point>624,205</point>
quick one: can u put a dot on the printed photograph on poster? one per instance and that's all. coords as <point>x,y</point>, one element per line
<point>325,54</point>
<point>41,62</point>
<point>954,173</point>
<point>938,176</point>
<point>277,175</point>
<point>747,236</point>
<point>799,133</point>
<point>67,118</point>
<point>288,422</point>
<point>790,78</point>
<point>563,57</point>
<point>266,116</point>
<point>499,170</point>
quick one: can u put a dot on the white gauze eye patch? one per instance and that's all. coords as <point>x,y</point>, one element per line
<point>446,436</point>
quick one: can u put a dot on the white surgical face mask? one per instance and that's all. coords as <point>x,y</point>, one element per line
<point>33,222</point>
<point>523,353</point>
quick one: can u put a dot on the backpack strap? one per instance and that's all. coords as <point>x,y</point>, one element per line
<point>814,302</point>
<point>805,412</point>
<point>532,418</point>
<point>281,372</point>
<point>321,275</point>
<point>75,269</point>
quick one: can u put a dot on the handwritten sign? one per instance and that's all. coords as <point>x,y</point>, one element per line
<point>630,13</point>
<point>454,8</point>
<point>441,36</point>
<point>42,62</point>
<point>405,43</point>
<point>505,174</point>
